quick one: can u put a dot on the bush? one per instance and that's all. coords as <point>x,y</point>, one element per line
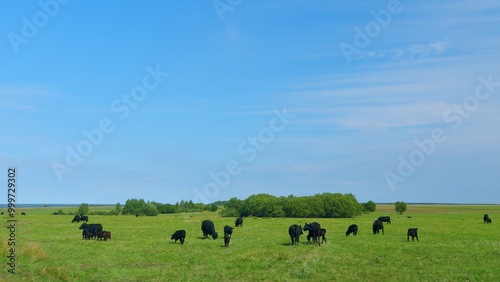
<point>231,212</point>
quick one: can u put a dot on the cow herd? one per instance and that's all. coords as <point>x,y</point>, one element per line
<point>315,232</point>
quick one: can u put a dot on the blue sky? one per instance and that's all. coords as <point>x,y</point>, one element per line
<point>207,100</point>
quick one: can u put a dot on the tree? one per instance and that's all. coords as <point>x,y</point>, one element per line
<point>149,209</point>
<point>213,207</point>
<point>83,209</point>
<point>369,207</point>
<point>400,207</point>
<point>262,205</point>
<point>133,206</point>
<point>118,208</point>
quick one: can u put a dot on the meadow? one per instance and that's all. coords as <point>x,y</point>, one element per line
<point>455,245</point>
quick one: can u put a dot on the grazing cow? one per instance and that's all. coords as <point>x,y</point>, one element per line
<point>385,219</point>
<point>352,229</point>
<point>90,231</point>
<point>314,231</point>
<point>488,220</point>
<point>377,226</point>
<point>485,218</point>
<point>239,222</point>
<point>413,233</point>
<point>23,213</point>
<point>228,232</point>
<point>408,217</point>
<point>1,213</point>
<point>295,231</point>
<point>76,219</point>
<point>84,218</point>
<point>178,235</point>
<point>207,226</point>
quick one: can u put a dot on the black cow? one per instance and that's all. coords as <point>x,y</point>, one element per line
<point>228,232</point>
<point>413,233</point>
<point>295,231</point>
<point>1,213</point>
<point>90,231</point>
<point>377,226</point>
<point>239,222</point>
<point>322,234</point>
<point>76,219</point>
<point>84,218</point>
<point>207,226</point>
<point>314,231</point>
<point>178,235</point>
<point>385,219</point>
<point>485,218</point>
<point>488,220</point>
<point>23,213</point>
<point>352,229</point>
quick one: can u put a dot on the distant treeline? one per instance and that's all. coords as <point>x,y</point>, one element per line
<point>140,207</point>
<point>259,205</point>
<point>319,205</point>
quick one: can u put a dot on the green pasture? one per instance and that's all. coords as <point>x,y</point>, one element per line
<point>455,245</point>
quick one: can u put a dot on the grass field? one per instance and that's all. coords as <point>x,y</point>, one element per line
<point>455,245</point>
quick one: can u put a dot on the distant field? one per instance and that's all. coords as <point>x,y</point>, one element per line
<point>455,245</point>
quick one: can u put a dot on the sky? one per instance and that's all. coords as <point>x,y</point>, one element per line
<point>165,101</point>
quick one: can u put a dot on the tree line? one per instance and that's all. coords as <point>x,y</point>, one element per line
<point>317,206</point>
<point>141,207</point>
<point>259,205</point>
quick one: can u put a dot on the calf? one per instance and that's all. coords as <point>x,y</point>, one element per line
<point>488,220</point>
<point>413,233</point>
<point>352,229</point>
<point>107,235</point>
<point>295,231</point>
<point>103,235</point>
<point>377,226</point>
<point>179,235</point>
<point>228,231</point>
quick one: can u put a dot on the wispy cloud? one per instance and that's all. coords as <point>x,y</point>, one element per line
<point>411,52</point>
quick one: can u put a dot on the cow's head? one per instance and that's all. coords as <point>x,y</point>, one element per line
<point>83,226</point>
